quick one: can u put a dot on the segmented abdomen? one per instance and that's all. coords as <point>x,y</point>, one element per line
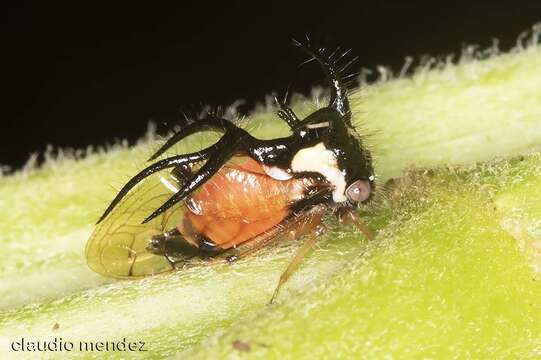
<point>238,203</point>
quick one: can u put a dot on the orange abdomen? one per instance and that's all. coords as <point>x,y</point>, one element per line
<point>240,202</point>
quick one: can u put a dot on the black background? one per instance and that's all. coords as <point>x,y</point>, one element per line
<point>85,73</point>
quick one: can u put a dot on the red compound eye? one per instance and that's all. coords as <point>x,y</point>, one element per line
<point>359,191</point>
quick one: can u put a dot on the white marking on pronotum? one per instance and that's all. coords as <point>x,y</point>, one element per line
<point>318,125</point>
<point>321,160</point>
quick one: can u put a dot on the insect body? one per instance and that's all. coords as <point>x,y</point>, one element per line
<point>238,194</point>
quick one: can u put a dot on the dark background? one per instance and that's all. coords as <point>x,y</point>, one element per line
<point>84,73</point>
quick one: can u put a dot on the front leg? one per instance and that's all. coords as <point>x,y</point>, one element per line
<point>349,217</point>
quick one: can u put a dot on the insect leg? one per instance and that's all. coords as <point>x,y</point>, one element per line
<point>170,162</point>
<point>208,122</point>
<point>257,243</point>
<point>173,246</point>
<point>297,260</point>
<point>304,213</point>
<point>348,217</point>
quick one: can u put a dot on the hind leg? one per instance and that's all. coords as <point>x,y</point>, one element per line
<point>176,249</point>
<point>318,231</point>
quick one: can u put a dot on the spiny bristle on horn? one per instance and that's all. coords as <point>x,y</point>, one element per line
<point>338,100</point>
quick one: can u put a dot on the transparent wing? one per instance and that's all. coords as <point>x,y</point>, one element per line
<point>117,246</point>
